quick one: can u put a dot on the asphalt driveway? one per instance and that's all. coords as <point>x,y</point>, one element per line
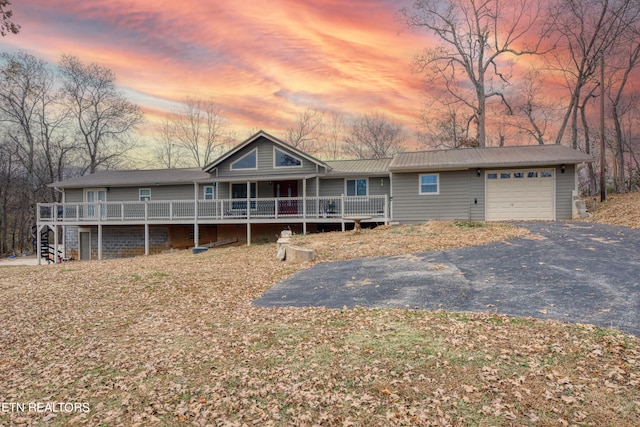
<point>577,272</point>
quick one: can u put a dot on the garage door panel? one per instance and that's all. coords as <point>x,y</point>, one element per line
<point>523,194</point>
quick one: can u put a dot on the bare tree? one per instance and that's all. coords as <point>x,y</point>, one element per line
<point>7,26</point>
<point>373,136</point>
<point>450,128</point>
<point>25,94</point>
<point>333,146</point>
<point>587,30</point>
<point>199,128</point>
<point>477,39</point>
<point>103,116</point>
<point>536,109</point>
<point>166,152</point>
<point>307,132</point>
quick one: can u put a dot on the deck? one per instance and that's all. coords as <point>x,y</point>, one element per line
<point>255,210</point>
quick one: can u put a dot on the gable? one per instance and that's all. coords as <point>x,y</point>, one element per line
<point>264,155</point>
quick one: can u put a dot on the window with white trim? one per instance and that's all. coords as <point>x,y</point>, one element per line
<point>282,159</point>
<point>209,192</point>
<point>144,194</point>
<point>248,161</point>
<point>430,183</point>
<point>356,187</point>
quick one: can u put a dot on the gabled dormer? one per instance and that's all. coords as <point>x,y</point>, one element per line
<point>263,154</point>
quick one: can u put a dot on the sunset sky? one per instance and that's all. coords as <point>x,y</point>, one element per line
<point>262,61</point>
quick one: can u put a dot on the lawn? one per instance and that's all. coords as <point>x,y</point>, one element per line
<point>173,339</point>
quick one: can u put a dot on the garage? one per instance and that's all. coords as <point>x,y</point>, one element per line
<point>520,194</point>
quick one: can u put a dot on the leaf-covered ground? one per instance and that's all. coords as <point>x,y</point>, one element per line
<point>173,339</point>
<point>618,209</point>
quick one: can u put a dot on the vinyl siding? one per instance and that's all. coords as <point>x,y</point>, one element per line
<point>451,203</point>
<point>265,153</point>
<point>565,184</point>
<point>476,193</point>
<point>336,186</point>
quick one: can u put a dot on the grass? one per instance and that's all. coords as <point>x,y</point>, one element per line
<point>173,340</point>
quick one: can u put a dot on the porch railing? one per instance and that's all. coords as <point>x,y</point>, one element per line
<point>311,208</point>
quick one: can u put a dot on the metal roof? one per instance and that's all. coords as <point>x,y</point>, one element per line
<point>136,178</point>
<point>359,167</point>
<point>512,156</point>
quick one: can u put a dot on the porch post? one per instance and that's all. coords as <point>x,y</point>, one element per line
<point>55,243</point>
<point>146,238</point>
<point>99,241</point>
<point>249,212</point>
<point>304,205</point>
<point>38,243</point>
<point>196,228</point>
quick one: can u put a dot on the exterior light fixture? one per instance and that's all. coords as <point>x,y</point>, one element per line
<point>478,172</point>
<point>562,168</point>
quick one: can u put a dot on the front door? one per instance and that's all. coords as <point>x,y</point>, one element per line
<point>286,190</point>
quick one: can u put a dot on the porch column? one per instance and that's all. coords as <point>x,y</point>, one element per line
<point>304,205</point>
<point>146,239</point>
<point>55,243</point>
<point>249,212</point>
<point>99,241</point>
<point>38,244</point>
<point>196,228</point>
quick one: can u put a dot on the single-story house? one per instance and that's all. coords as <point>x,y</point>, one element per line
<point>264,185</point>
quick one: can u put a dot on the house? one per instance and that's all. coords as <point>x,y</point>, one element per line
<point>264,185</point>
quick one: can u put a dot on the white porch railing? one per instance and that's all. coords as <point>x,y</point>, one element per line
<point>309,208</point>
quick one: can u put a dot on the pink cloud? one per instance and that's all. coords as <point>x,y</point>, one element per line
<point>263,62</point>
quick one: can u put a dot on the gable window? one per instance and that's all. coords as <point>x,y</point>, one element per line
<point>282,159</point>
<point>430,183</point>
<point>144,194</point>
<point>248,161</point>
<point>209,192</point>
<point>356,187</point>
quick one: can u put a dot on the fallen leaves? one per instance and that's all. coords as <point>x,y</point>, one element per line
<point>173,339</point>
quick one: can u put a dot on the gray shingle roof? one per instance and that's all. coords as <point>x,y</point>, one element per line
<point>513,156</point>
<point>134,178</point>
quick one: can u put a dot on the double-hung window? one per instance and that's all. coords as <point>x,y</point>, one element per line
<point>430,183</point>
<point>144,194</point>
<point>209,192</point>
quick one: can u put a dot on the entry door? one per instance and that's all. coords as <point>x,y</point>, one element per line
<point>286,190</point>
<point>93,196</point>
<point>84,240</point>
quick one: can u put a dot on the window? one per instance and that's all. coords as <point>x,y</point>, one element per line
<point>356,187</point>
<point>209,192</point>
<point>144,194</point>
<point>248,161</point>
<point>546,174</point>
<point>430,184</point>
<point>492,176</point>
<point>518,174</point>
<point>532,174</point>
<point>284,160</point>
<point>505,175</point>
<point>239,191</point>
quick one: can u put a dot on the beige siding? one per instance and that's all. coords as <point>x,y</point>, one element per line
<point>452,202</point>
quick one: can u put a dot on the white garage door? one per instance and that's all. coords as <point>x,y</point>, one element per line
<point>520,194</point>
